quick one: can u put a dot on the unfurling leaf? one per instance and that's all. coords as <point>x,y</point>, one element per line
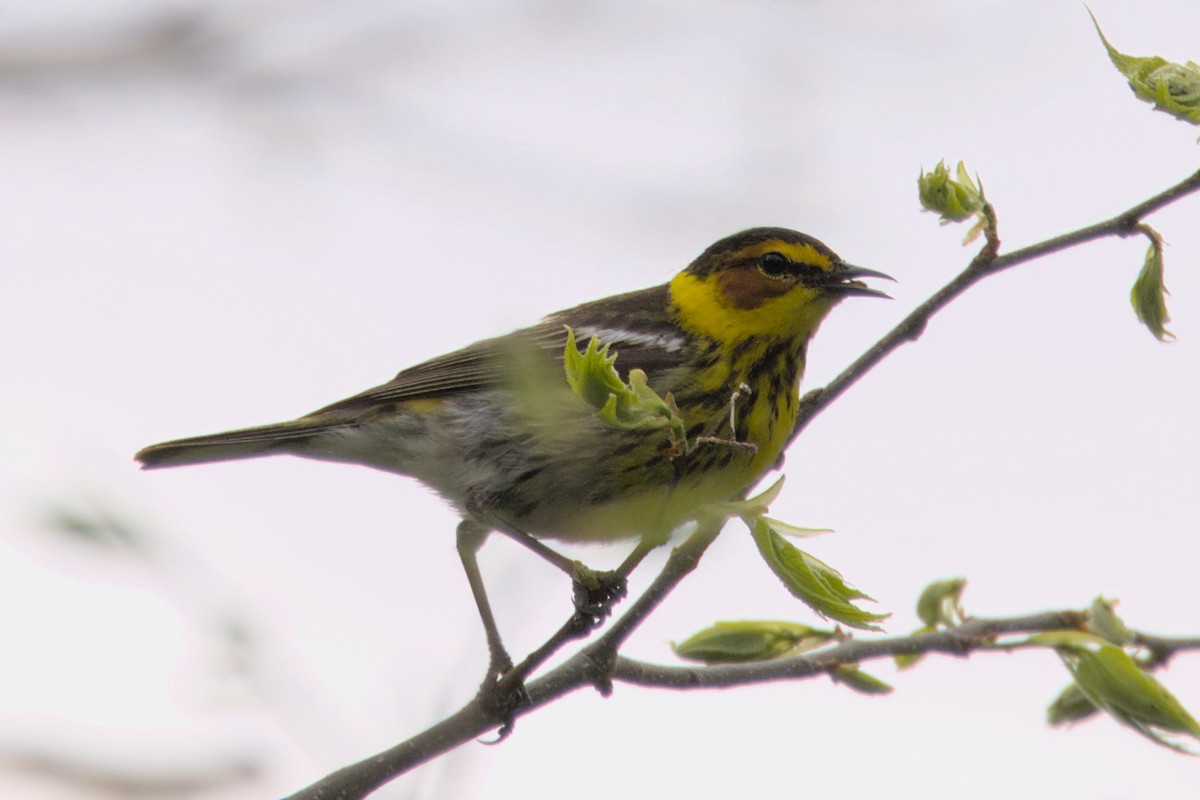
<point>1113,682</point>
<point>938,603</point>
<point>1148,295</point>
<point>750,640</point>
<point>794,531</point>
<point>1172,88</point>
<point>819,585</point>
<point>859,681</point>
<point>592,375</point>
<point>1069,707</point>
<point>955,200</point>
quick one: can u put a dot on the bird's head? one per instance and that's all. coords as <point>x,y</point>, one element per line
<point>770,282</point>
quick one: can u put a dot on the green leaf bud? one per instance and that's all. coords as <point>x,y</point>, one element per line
<point>750,640</point>
<point>939,602</point>
<point>1170,87</point>
<point>1113,682</point>
<point>954,200</point>
<point>1148,295</point>
<point>1069,707</point>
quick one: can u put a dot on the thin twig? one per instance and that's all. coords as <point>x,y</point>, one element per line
<point>982,266</point>
<point>971,636</point>
<point>1162,649</point>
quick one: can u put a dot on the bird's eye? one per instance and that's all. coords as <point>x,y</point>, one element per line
<point>775,265</point>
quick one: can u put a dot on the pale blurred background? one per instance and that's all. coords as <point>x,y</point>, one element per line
<point>215,214</point>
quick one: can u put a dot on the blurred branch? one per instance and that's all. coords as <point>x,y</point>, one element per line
<point>237,654</point>
<point>94,779</point>
<point>174,38</point>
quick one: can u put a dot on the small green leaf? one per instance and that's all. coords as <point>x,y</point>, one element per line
<point>1103,621</point>
<point>939,602</point>
<point>859,681</point>
<point>1148,295</point>
<point>592,375</point>
<point>1113,682</point>
<point>794,531</point>
<point>750,640</point>
<point>954,200</point>
<point>819,585</point>
<point>1069,707</point>
<point>1170,87</point>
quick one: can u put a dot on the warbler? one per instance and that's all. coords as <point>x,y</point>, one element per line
<point>494,429</point>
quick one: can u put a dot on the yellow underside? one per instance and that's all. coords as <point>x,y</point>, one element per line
<point>653,513</point>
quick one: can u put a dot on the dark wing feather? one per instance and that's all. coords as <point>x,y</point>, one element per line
<point>634,324</point>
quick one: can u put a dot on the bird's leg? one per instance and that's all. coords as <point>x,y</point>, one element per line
<point>644,546</point>
<point>471,535</point>
<point>567,565</point>
<point>594,593</point>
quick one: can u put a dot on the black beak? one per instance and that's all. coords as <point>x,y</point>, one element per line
<point>847,284</point>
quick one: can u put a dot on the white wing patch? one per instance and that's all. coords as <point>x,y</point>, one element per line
<point>667,342</point>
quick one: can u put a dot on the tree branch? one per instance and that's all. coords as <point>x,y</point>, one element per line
<point>581,670</point>
<point>961,640</point>
<point>1163,648</point>
<point>591,666</point>
<point>598,664</point>
<point>987,262</point>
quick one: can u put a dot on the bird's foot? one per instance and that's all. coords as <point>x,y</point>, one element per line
<point>595,594</point>
<point>502,694</point>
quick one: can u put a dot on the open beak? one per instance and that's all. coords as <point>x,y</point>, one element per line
<point>847,283</point>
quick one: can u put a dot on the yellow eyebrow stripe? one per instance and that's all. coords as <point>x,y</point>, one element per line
<point>800,253</point>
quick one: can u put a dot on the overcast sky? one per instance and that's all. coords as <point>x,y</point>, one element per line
<point>218,214</point>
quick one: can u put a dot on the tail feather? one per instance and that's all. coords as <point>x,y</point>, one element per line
<point>266,440</point>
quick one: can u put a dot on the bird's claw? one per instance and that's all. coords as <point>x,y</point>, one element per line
<point>502,694</point>
<point>594,595</point>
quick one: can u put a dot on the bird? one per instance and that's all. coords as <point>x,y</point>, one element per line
<point>496,430</point>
